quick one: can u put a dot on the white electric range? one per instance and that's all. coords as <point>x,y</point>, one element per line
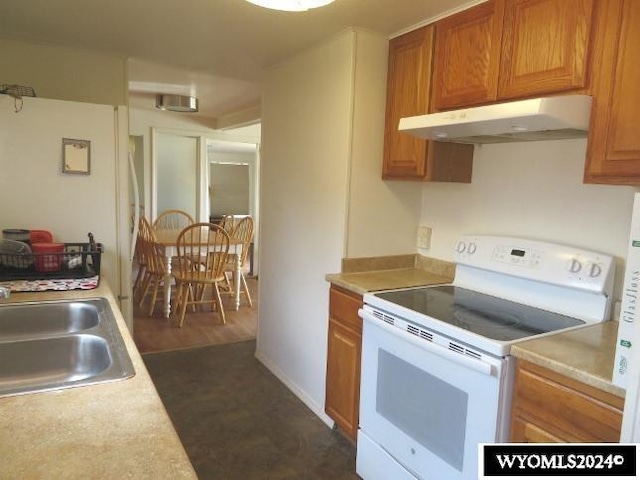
<point>437,377</point>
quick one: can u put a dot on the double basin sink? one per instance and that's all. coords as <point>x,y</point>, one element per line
<point>60,344</point>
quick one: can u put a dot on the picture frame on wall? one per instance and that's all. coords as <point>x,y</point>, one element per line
<point>76,156</point>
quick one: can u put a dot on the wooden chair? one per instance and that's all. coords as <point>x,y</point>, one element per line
<point>152,255</point>
<point>228,222</point>
<point>202,250</point>
<point>244,231</point>
<point>173,220</point>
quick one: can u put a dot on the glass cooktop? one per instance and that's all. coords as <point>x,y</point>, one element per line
<point>484,315</point>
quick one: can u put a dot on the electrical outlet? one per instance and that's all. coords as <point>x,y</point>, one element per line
<point>424,237</point>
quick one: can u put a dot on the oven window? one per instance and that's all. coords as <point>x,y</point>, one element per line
<point>429,410</point>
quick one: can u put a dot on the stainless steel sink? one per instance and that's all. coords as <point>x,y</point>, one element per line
<point>19,321</point>
<point>53,345</point>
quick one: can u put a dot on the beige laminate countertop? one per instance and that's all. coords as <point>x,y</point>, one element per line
<point>585,354</point>
<point>364,282</point>
<point>387,273</point>
<point>111,430</point>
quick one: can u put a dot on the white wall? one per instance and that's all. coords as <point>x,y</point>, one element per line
<point>35,194</point>
<point>533,190</point>
<point>323,198</point>
<point>305,150</point>
<point>383,215</point>
<point>177,174</point>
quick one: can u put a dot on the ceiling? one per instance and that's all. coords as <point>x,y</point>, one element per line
<point>214,49</point>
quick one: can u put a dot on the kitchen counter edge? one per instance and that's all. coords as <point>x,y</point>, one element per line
<point>584,354</point>
<point>112,430</point>
<point>424,271</point>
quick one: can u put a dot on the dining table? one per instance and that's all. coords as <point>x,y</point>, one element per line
<point>168,239</point>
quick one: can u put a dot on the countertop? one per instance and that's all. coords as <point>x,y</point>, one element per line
<point>386,273</point>
<point>111,430</point>
<point>585,354</point>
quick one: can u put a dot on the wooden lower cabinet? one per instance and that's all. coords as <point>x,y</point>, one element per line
<point>551,408</point>
<point>343,360</point>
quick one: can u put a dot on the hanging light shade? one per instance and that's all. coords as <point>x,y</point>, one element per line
<point>291,5</point>
<point>177,103</point>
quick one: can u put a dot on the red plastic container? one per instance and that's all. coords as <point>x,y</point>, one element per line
<point>44,262</point>
<point>41,236</point>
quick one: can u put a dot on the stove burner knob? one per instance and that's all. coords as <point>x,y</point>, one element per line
<point>575,266</point>
<point>461,247</point>
<point>472,248</point>
<point>595,270</point>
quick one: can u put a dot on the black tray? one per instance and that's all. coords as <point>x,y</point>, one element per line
<point>77,260</point>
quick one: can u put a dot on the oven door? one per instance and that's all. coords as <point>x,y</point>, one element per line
<point>423,408</point>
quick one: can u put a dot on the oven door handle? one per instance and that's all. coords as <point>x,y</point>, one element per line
<point>477,365</point>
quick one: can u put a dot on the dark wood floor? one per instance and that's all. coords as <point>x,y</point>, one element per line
<point>158,334</point>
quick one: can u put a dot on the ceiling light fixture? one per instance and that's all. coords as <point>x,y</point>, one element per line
<point>177,103</point>
<point>291,5</point>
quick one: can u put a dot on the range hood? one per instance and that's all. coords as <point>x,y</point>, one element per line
<point>548,118</point>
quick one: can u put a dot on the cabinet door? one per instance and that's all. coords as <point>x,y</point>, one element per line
<point>342,399</point>
<point>467,56</point>
<point>613,154</point>
<point>408,90</point>
<point>547,406</point>
<point>343,377</point>
<point>545,46</point>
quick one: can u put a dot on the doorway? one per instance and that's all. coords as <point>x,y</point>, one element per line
<point>218,162</point>
<point>233,185</point>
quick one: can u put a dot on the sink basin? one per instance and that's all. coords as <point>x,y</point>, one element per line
<point>30,363</point>
<point>53,345</point>
<point>20,321</point>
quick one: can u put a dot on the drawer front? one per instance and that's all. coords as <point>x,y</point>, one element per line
<point>343,307</point>
<point>566,409</point>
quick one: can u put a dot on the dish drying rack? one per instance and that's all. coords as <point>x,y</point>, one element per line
<point>77,260</point>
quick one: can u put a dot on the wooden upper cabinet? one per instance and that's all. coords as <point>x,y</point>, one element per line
<point>467,58</point>
<point>545,47</point>
<point>408,90</point>
<point>613,152</point>
<point>506,49</point>
<point>407,157</point>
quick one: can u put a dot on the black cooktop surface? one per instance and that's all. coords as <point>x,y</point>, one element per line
<point>482,314</point>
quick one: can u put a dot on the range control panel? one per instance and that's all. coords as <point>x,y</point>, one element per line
<point>547,262</point>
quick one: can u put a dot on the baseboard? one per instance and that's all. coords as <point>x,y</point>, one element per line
<point>297,391</point>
